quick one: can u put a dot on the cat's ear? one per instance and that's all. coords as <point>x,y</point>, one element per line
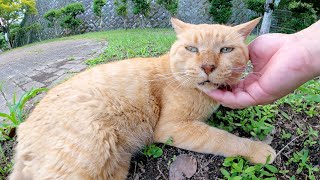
<point>246,28</point>
<point>178,26</point>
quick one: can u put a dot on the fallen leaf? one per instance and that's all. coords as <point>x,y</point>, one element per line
<point>184,166</point>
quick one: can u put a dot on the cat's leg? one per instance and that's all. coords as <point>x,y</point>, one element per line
<point>200,137</point>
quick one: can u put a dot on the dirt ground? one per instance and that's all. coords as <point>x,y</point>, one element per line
<point>146,168</point>
<point>208,166</point>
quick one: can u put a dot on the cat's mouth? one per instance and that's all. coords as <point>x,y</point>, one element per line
<point>219,86</point>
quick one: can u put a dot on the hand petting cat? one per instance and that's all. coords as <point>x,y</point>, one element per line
<point>281,63</point>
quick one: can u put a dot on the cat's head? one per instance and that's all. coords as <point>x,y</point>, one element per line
<point>208,56</point>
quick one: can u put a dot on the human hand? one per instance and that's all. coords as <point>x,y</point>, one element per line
<point>281,63</point>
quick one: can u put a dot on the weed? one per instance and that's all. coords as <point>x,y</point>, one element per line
<point>240,169</point>
<point>254,120</point>
<point>154,151</point>
<point>311,138</point>
<point>16,113</point>
<point>305,99</point>
<point>301,158</point>
<point>6,169</point>
<point>285,135</point>
<point>71,58</point>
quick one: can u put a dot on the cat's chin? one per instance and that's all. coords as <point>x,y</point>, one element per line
<point>207,86</point>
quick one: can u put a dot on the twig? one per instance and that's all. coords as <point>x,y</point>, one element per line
<point>164,177</point>
<point>288,144</point>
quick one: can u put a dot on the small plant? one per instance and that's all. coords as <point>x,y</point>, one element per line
<point>220,10</point>
<point>97,9</point>
<point>154,151</point>
<point>305,98</point>
<point>312,138</point>
<point>16,113</point>
<point>254,120</point>
<point>301,158</point>
<point>6,169</point>
<point>285,135</point>
<point>238,168</point>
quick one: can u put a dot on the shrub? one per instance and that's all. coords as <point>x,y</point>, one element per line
<point>52,16</point>
<point>302,16</point>
<point>122,10</point>
<point>170,5</point>
<point>70,12</point>
<point>256,6</point>
<point>97,9</point>
<point>141,7</point>
<point>220,10</point>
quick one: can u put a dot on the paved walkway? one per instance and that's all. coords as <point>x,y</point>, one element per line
<point>44,65</point>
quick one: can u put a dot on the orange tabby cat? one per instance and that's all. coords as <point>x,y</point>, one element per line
<point>89,126</point>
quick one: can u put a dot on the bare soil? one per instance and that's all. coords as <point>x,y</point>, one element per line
<point>208,165</point>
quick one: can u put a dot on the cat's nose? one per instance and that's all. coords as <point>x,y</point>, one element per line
<point>208,68</point>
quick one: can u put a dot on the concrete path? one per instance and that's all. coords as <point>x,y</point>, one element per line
<point>44,65</point>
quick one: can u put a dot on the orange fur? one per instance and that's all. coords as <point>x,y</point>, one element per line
<point>89,126</point>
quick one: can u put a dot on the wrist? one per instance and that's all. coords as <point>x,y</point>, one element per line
<point>310,40</point>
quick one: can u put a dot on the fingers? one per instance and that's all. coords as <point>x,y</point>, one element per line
<point>234,100</point>
<point>264,47</point>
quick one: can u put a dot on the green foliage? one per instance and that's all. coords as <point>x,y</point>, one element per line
<point>141,7</point>
<point>154,151</point>
<point>301,158</point>
<point>5,168</point>
<point>69,20</point>
<point>16,113</point>
<point>11,10</point>
<point>254,120</point>
<point>52,16</point>
<point>302,16</point>
<point>238,168</point>
<point>170,5</point>
<point>122,10</point>
<point>220,10</point>
<point>97,7</point>
<point>135,43</point>
<point>305,99</point>
<point>3,45</point>
<point>256,6</point>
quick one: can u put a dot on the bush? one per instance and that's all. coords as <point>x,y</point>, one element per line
<point>170,5</point>
<point>302,16</point>
<point>122,10</point>
<point>220,10</point>
<point>70,21</point>
<point>141,7</point>
<point>97,7</point>
<point>52,16</point>
<point>256,6</point>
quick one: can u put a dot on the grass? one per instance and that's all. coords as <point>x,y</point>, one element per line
<point>126,44</point>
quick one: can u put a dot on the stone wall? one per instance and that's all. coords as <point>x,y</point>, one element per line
<point>192,11</point>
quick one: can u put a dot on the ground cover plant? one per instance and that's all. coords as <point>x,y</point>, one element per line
<point>291,124</point>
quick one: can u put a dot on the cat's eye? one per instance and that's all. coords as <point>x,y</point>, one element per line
<point>226,49</point>
<point>192,49</point>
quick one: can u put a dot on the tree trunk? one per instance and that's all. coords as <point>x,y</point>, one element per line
<point>266,22</point>
<point>101,22</point>
<point>5,30</point>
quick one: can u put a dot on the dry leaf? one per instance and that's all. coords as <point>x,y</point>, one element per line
<point>184,166</point>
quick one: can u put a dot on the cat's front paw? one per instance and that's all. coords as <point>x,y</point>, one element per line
<point>260,152</point>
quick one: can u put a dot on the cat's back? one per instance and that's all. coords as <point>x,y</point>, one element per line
<point>114,106</point>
